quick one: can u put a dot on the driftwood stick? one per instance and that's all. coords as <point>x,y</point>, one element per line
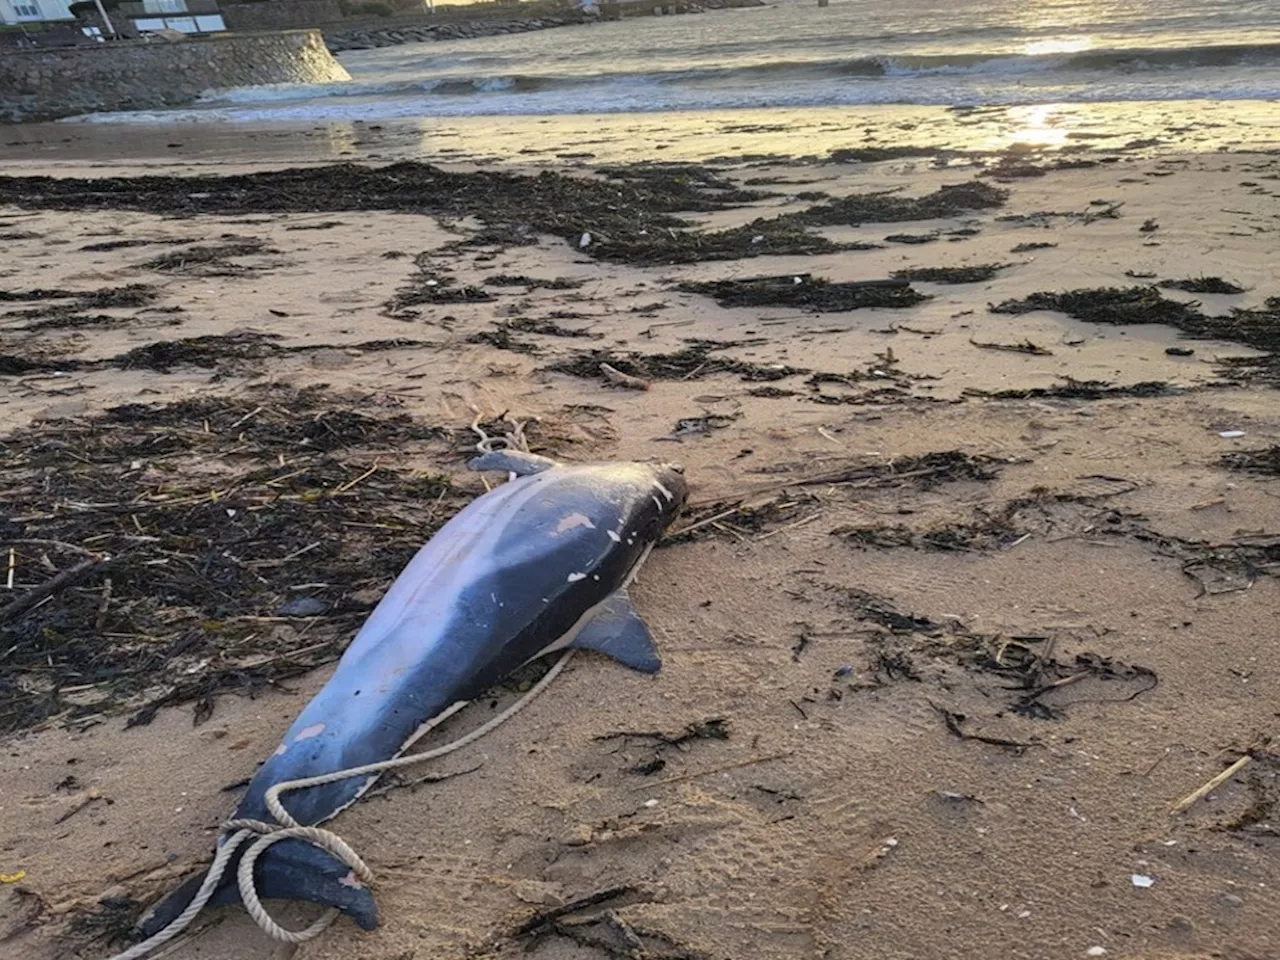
<point>1212,785</point>
<point>47,589</point>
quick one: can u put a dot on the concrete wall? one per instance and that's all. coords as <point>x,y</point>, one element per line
<point>143,75</point>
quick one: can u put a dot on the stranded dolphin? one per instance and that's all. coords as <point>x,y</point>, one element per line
<point>538,564</point>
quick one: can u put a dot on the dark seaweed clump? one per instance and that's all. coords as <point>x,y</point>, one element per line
<point>211,260</point>
<point>1257,328</point>
<point>1265,461</point>
<point>132,295</point>
<point>629,214</point>
<point>808,292</point>
<point>1203,285</point>
<point>1072,389</point>
<point>533,283</point>
<point>429,286</point>
<point>878,154</point>
<point>950,201</point>
<point>974,274</point>
<point>1115,305</point>
<point>168,532</point>
<point>692,363</point>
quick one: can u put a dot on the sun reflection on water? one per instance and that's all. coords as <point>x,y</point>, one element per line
<point>1060,45</point>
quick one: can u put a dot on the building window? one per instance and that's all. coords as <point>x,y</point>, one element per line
<point>26,10</point>
<point>164,6</point>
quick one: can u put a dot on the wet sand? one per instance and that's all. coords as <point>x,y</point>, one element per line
<point>974,593</point>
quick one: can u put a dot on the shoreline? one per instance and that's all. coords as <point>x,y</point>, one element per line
<point>732,137</point>
<point>979,561</point>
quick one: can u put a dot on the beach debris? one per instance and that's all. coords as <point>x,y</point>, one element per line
<point>624,380</point>
<point>1149,226</point>
<point>303,606</point>
<point>701,426</point>
<point>701,358</point>
<point>1034,245</point>
<point>500,338</point>
<point>533,283</point>
<point>955,726</point>
<point>17,877</point>
<point>1077,390</point>
<point>1265,461</point>
<point>1026,346</point>
<point>277,458</point>
<point>808,292</point>
<point>584,241</point>
<point>1096,952</point>
<point>1142,881</point>
<point>1203,285</point>
<point>430,286</point>
<point>972,274</point>
<point>1131,305</point>
<point>1212,784</point>
<point>1258,328</point>
<point>1231,434</point>
<point>889,207</point>
<point>1179,352</point>
<point>911,238</point>
<point>549,328</point>
<point>212,260</point>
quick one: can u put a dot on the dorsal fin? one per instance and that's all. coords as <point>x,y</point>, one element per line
<point>617,631</point>
<point>511,461</point>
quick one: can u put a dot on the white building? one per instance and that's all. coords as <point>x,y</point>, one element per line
<point>32,11</point>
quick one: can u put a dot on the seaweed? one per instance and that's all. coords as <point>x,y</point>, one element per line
<point>691,363</point>
<point>211,260</point>
<point>1257,328</point>
<point>549,328</point>
<point>1203,285</point>
<point>207,351</point>
<point>185,525</point>
<point>1079,390</point>
<point>500,338</point>
<point>808,292</point>
<point>691,181</point>
<point>764,237</point>
<point>1265,462</point>
<point>429,286</point>
<point>885,207</point>
<point>974,274</point>
<point>878,154</point>
<point>1114,305</point>
<point>131,295</point>
<point>632,207</point>
<point>533,283</point>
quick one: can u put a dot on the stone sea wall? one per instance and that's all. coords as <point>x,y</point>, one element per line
<point>368,36</point>
<point>45,84</point>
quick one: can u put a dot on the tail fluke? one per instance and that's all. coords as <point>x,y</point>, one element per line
<point>289,870</point>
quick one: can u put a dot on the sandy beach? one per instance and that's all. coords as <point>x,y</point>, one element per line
<point>976,581</point>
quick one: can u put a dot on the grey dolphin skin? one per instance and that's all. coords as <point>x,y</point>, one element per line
<point>538,564</point>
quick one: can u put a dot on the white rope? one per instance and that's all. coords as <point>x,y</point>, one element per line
<point>235,833</point>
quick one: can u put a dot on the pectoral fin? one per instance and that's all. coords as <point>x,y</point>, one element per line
<point>618,632</point>
<point>510,461</point>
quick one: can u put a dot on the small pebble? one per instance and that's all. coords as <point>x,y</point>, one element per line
<point>1096,952</point>
<point>1231,900</point>
<point>1142,881</point>
<point>302,607</point>
<point>1179,351</point>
